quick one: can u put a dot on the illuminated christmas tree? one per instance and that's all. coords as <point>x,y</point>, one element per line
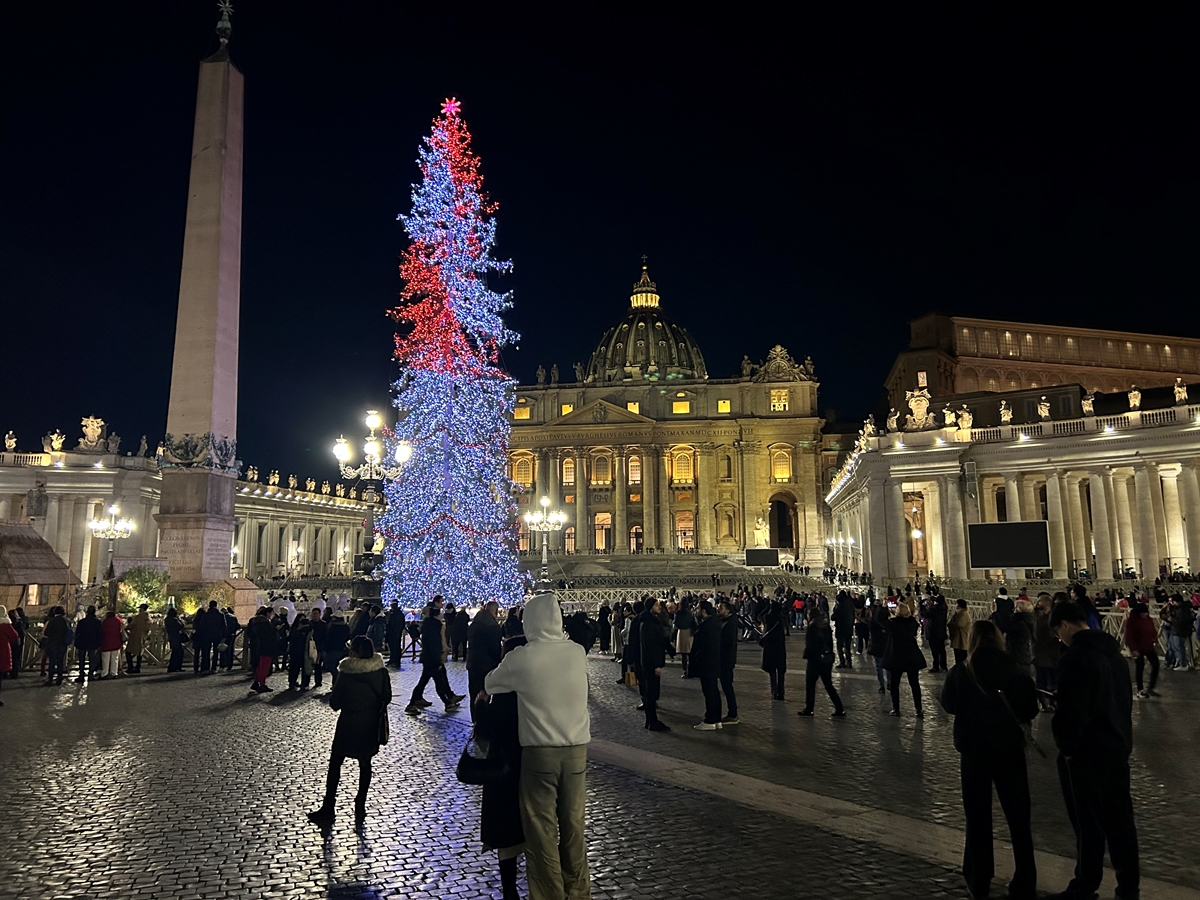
<point>450,522</point>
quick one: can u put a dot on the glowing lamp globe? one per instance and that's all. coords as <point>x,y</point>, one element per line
<point>341,450</point>
<point>371,448</point>
<point>403,452</point>
<point>373,420</point>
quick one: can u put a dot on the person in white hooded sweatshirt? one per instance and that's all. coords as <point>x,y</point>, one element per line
<point>549,677</point>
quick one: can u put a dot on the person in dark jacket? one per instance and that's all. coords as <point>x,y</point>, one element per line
<point>1046,650</point>
<point>209,631</point>
<point>9,642</point>
<point>500,826</point>
<point>320,628</point>
<point>21,624</point>
<point>484,648</point>
<point>433,666</point>
<point>87,645</point>
<point>879,642</point>
<point>361,696</point>
<point>706,663</point>
<point>269,646</point>
<point>1020,635</point>
<point>54,642</point>
<point>1002,610</point>
<point>1093,728</point>
<point>653,647</point>
<point>232,627</point>
<point>903,656</point>
<point>843,621</point>
<point>176,637</point>
<point>337,641</point>
<point>1141,637</point>
<point>729,648</point>
<point>299,667</point>
<point>818,656</point>
<point>685,629</point>
<point>395,634</point>
<point>458,632</point>
<point>604,623</point>
<point>774,644</point>
<point>936,615</point>
<point>991,697</point>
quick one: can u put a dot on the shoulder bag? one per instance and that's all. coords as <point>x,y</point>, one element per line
<point>1026,727</point>
<point>477,768</point>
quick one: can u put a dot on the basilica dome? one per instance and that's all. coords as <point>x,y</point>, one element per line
<point>646,344</point>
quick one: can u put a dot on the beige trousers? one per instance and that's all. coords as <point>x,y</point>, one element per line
<point>553,793</point>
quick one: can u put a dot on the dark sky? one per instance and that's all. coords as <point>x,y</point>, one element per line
<point>811,181</point>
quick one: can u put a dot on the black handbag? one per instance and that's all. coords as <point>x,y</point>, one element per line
<point>385,725</point>
<point>480,769</point>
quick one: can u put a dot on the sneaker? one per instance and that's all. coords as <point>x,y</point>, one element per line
<point>451,705</point>
<point>423,703</point>
<point>1142,695</point>
<point>458,698</point>
<point>840,714</point>
<point>706,726</point>
<point>640,706</point>
<point>412,709</point>
<point>659,726</point>
<point>806,713</point>
<point>730,720</point>
<point>895,712</point>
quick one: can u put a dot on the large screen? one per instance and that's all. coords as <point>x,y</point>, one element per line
<point>1009,545</point>
<point>762,556</point>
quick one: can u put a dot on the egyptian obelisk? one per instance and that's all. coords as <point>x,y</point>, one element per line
<point>199,459</point>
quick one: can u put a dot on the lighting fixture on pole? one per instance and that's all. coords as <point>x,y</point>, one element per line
<point>545,521</point>
<point>112,530</point>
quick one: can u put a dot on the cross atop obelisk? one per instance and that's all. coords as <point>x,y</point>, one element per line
<point>200,451</point>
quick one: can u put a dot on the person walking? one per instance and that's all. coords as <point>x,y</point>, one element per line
<point>360,696</point>
<point>774,647</point>
<point>137,631</point>
<point>1141,637</point>
<point>110,645</point>
<point>992,697</point>
<point>87,645</point>
<point>1093,729</point>
<point>269,644</point>
<point>484,648</point>
<point>959,628</point>
<point>176,637</point>
<point>936,614</point>
<point>903,656</point>
<point>729,648</point>
<point>706,663</point>
<point>433,665</point>
<point>818,656</point>
<point>653,644</point>
<point>843,621</point>
<point>337,645</point>
<point>10,641</point>
<point>1183,620</point>
<point>55,638</point>
<point>549,677</point>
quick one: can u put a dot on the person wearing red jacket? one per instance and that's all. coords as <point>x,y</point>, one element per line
<point>9,642</point>
<point>1141,637</point>
<point>110,645</point>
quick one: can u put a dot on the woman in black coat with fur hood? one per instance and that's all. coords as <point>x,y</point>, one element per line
<point>361,695</point>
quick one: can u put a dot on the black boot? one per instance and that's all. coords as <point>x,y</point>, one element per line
<point>508,878</point>
<point>325,815</point>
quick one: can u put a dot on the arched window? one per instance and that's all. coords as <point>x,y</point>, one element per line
<point>635,539</point>
<point>635,470</point>
<point>781,466</point>
<point>727,525</point>
<point>569,539</point>
<point>568,471</point>
<point>601,470</point>
<point>682,467</point>
<point>685,530</point>
<point>523,471</point>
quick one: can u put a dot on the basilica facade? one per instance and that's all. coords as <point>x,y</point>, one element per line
<point>648,454</point>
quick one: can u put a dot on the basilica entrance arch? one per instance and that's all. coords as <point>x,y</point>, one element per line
<point>782,520</point>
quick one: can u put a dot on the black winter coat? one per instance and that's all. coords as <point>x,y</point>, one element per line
<point>903,654</point>
<point>774,657</point>
<point>87,632</point>
<point>729,641</point>
<point>1019,638</point>
<point>705,660</point>
<point>484,646</point>
<point>983,726</point>
<point>1093,716</point>
<point>336,636</point>
<point>320,629</point>
<point>879,632</point>
<point>211,626</point>
<point>458,630</point>
<point>633,643</point>
<point>651,641</point>
<point>362,693</point>
<point>174,627</point>
<point>935,620</point>
<point>818,645</point>
<point>266,636</point>
<point>431,641</point>
<point>500,812</point>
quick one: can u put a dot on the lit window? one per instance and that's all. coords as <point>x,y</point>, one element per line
<point>523,471</point>
<point>779,400</point>
<point>922,379</point>
<point>601,470</point>
<point>568,468</point>
<point>635,470</point>
<point>781,466</point>
<point>681,407</point>
<point>633,406</point>
<point>682,468</point>
<point>566,408</point>
<point>722,406</point>
<point>521,412</point>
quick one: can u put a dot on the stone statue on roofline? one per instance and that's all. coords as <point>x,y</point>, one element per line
<point>1043,408</point>
<point>1135,397</point>
<point>1005,413</point>
<point>541,375</point>
<point>949,417</point>
<point>1180,391</point>
<point>10,441</point>
<point>966,419</point>
<point>920,418</point>
<point>893,419</point>
<point>1089,403</point>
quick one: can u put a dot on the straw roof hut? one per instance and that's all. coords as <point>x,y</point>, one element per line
<point>31,573</point>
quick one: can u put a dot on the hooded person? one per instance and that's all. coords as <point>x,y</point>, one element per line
<point>549,677</point>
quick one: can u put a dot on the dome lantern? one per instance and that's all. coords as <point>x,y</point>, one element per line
<point>645,293</point>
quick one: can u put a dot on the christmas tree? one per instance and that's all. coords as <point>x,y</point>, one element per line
<point>450,522</point>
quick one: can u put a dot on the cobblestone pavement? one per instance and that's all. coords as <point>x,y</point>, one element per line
<point>172,786</point>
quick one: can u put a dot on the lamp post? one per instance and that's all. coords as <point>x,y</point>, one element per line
<point>545,520</point>
<point>371,471</point>
<point>112,530</point>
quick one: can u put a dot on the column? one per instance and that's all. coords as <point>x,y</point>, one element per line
<point>620,498</point>
<point>935,540</point>
<point>90,546</point>
<point>1100,531</point>
<point>1173,514</point>
<point>1125,523</point>
<point>49,529</point>
<point>249,552</point>
<point>5,505</point>
<point>649,497</point>
<point>541,475</point>
<point>1190,493</point>
<point>1110,505</point>
<point>876,549</point>
<point>748,458</point>
<point>952,521</point>
<point>1081,546</point>
<point>666,522</point>
<point>554,491</point>
<point>706,475</point>
<point>1056,526</point>
<point>1012,499</point>
<point>1145,538</point>
<point>1156,503</point>
<point>1031,507</point>
<point>80,536</point>
<point>988,509</point>
<point>897,530</point>
<point>583,538</point>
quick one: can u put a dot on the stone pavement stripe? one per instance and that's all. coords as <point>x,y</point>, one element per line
<point>912,837</point>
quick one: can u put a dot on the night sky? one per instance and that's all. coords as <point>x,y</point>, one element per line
<point>808,181</point>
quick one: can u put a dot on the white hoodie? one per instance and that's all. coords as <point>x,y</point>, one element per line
<point>549,677</point>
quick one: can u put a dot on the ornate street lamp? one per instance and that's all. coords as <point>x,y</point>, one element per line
<point>545,521</point>
<point>371,471</point>
<point>112,530</point>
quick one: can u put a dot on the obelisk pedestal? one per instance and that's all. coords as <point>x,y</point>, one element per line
<point>199,461</point>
